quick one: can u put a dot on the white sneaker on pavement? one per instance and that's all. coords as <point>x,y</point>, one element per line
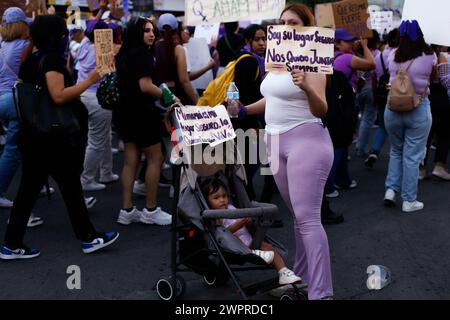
<point>110,178</point>
<point>389,197</point>
<point>90,202</point>
<point>412,206</point>
<point>139,188</point>
<point>126,217</point>
<point>267,256</point>
<point>287,276</point>
<point>34,221</point>
<point>156,216</point>
<point>92,186</point>
<point>5,203</point>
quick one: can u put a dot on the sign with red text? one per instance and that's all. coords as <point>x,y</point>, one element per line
<point>309,49</point>
<point>352,15</point>
<point>200,12</point>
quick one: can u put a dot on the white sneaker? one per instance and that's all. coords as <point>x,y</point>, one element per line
<point>5,203</point>
<point>34,221</point>
<point>90,202</point>
<point>92,186</point>
<point>267,256</point>
<point>110,178</point>
<point>126,218</point>
<point>288,276</point>
<point>139,188</point>
<point>333,194</point>
<point>412,206</point>
<point>389,197</point>
<point>43,191</point>
<point>157,216</point>
<point>441,172</point>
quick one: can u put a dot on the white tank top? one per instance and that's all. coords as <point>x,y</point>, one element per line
<point>287,105</point>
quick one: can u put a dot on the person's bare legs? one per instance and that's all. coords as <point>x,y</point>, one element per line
<point>154,160</point>
<point>278,262</point>
<point>130,165</point>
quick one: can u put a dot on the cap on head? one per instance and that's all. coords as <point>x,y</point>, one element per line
<point>342,34</point>
<point>15,14</point>
<point>167,19</point>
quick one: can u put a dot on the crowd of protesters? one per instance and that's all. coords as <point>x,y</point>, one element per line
<point>297,109</point>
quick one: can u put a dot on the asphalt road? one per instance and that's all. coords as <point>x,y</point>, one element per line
<point>414,246</point>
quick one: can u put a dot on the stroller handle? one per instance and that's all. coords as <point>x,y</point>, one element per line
<point>265,210</point>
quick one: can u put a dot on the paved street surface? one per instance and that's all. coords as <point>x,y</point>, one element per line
<point>415,246</point>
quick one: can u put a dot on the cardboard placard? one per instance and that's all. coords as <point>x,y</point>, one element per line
<point>348,14</point>
<point>204,125</point>
<point>200,12</point>
<point>104,51</point>
<point>433,19</point>
<point>199,56</point>
<point>309,49</point>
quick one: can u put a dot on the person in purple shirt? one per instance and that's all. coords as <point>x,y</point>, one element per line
<point>348,63</point>
<point>98,152</point>
<point>15,34</point>
<point>408,131</point>
<point>381,134</point>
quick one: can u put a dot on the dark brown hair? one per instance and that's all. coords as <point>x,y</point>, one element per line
<point>302,11</point>
<point>408,49</point>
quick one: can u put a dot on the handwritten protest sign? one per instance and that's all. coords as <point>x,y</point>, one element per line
<point>207,31</point>
<point>309,49</point>
<point>104,51</point>
<point>382,21</point>
<point>348,14</point>
<point>204,125</point>
<point>199,56</point>
<point>200,12</point>
<point>433,19</point>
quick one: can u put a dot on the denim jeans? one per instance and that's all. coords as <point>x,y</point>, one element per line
<point>10,158</point>
<point>408,133</point>
<point>339,174</point>
<point>381,133</point>
<point>369,115</point>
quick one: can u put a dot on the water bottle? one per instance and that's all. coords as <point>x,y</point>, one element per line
<point>233,103</point>
<point>167,95</point>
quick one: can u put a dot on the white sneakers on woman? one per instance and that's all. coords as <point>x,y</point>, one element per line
<point>267,256</point>
<point>287,276</point>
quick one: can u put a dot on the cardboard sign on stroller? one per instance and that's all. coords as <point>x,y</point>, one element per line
<point>204,125</point>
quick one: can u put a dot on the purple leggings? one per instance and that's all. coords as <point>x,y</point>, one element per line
<point>305,157</point>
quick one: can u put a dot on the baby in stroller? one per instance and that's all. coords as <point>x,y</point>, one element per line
<point>214,191</point>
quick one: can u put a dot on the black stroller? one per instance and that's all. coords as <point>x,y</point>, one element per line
<point>200,245</point>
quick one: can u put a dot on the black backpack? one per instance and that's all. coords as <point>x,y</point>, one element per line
<point>342,115</point>
<point>381,90</point>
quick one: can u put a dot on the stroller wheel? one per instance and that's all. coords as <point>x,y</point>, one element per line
<point>291,296</point>
<point>165,290</point>
<point>216,280</point>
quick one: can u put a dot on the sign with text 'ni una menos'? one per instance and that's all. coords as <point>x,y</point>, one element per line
<point>309,49</point>
<point>200,12</point>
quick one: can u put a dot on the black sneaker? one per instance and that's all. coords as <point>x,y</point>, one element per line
<point>19,253</point>
<point>332,217</point>
<point>102,240</point>
<point>370,161</point>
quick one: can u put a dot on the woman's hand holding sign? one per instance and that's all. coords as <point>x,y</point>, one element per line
<point>300,79</point>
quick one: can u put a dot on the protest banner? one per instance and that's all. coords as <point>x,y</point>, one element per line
<point>207,31</point>
<point>382,21</point>
<point>199,56</point>
<point>104,51</point>
<point>433,19</point>
<point>204,125</point>
<point>200,12</point>
<point>309,49</point>
<point>348,14</point>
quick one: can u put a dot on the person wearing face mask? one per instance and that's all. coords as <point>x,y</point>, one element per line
<point>59,156</point>
<point>301,155</point>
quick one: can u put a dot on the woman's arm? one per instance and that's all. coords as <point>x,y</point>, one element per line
<point>146,85</point>
<point>198,73</point>
<point>366,63</point>
<point>180,59</point>
<point>61,95</point>
<point>256,108</point>
<point>313,84</point>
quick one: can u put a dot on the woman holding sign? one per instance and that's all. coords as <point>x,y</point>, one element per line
<point>300,148</point>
